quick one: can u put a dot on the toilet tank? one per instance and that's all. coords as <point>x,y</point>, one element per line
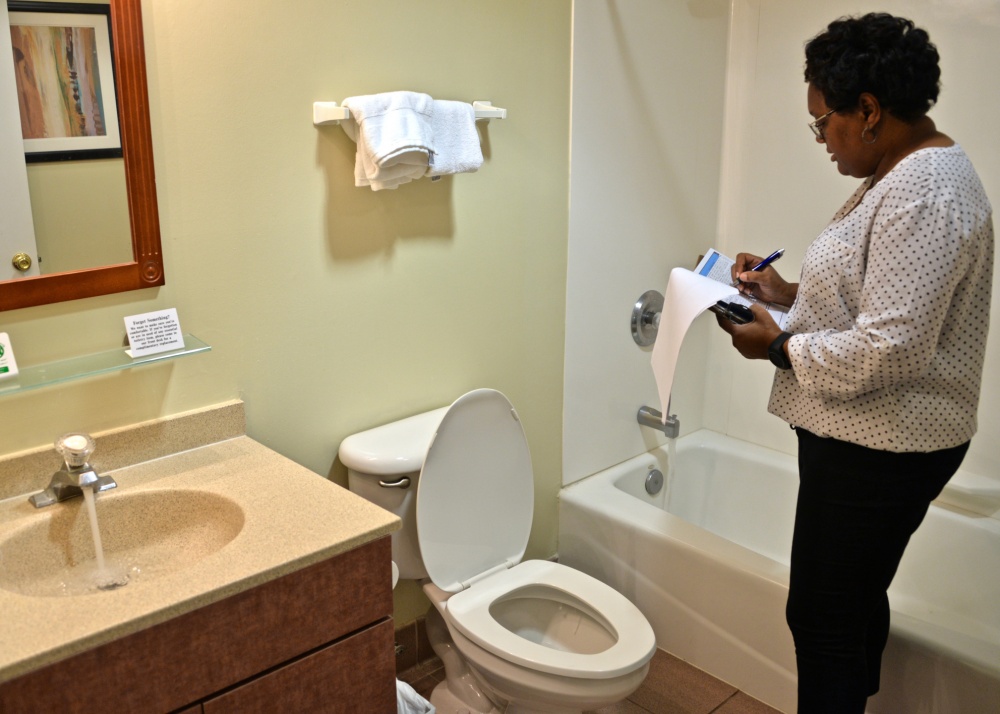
<point>383,466</point>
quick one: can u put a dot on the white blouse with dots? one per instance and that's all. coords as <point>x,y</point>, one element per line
<point>889,325</point>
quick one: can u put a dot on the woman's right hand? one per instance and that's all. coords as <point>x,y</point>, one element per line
<point>767,285</point>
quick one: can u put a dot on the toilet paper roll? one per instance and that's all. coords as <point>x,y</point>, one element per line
<point>687,296</point>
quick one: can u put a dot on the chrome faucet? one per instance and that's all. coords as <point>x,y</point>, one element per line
<point>652,418</point>
<point>76,473</point>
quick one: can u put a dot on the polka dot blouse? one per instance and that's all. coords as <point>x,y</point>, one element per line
<point>889,325</point>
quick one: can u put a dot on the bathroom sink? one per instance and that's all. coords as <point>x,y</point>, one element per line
<point>144,533</point>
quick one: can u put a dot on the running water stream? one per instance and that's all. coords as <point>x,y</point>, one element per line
<point>671,466</point>
<point>76,448</point>
<point>106,578</point>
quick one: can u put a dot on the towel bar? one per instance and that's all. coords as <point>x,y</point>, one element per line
<point>329,113</point>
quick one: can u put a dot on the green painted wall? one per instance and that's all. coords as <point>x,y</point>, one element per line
<point>330,308</point>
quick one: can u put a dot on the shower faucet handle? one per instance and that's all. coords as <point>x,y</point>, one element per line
<point>645,321</point>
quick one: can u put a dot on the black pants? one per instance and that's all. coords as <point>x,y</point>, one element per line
<point>857,508</point>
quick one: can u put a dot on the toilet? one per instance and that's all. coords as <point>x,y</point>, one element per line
<point>531,636</point>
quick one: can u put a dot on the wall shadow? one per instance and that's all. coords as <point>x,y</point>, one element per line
<point>361,223</point>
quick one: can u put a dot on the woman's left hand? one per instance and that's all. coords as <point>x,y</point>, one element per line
<point>753,338</point>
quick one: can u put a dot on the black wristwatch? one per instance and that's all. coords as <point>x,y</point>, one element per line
<point>776,352</point>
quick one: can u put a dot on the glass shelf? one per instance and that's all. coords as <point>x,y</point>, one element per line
<point>45,375</point>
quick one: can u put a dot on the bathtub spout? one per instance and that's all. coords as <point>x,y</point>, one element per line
<point>650,417</point>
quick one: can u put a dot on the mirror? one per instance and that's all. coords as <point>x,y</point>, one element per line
<point>145,269</point>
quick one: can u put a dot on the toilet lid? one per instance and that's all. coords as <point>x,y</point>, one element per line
<point>475,496</point>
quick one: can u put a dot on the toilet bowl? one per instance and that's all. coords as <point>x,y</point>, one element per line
<point>532,636</point>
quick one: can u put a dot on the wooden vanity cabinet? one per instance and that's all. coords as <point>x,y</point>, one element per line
<point>316,640</point>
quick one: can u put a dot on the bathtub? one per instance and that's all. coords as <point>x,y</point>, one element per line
<point>706,560</point>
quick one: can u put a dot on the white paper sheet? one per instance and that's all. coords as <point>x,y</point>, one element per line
<point>687,296</point>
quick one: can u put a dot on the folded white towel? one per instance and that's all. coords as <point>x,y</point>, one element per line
<point>398,170</point>
<point>394,134</point>
<point>456,146</point>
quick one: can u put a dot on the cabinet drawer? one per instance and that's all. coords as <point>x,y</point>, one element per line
<point>353,676</point>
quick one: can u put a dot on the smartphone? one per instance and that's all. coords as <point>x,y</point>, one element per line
<point>734,312</point>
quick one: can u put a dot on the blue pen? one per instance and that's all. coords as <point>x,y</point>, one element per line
<point>768,260</point>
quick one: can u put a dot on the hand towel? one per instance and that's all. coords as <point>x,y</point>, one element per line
<point>394,135</point>
<point>456,146</point>
<point>399,170</point>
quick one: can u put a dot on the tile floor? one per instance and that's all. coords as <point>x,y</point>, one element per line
<point>671,687</point>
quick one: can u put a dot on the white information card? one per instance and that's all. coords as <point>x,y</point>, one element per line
<point>8,365</point>
<point>153,332</point>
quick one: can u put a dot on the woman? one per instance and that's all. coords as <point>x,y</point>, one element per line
<point>879,371</point>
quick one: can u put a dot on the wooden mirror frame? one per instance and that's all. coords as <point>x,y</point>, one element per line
<point>146,270</point>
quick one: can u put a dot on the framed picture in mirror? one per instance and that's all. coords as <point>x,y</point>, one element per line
<point>64,72</point>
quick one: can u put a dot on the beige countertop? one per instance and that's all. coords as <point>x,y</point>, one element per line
<point>291,518</point>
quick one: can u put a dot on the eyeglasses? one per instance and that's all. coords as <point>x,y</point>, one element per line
<point>816,128</point>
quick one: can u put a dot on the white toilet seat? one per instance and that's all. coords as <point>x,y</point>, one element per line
<point>469,612</point>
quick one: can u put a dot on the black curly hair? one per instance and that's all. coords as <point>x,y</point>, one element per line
<point>886,56</point>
